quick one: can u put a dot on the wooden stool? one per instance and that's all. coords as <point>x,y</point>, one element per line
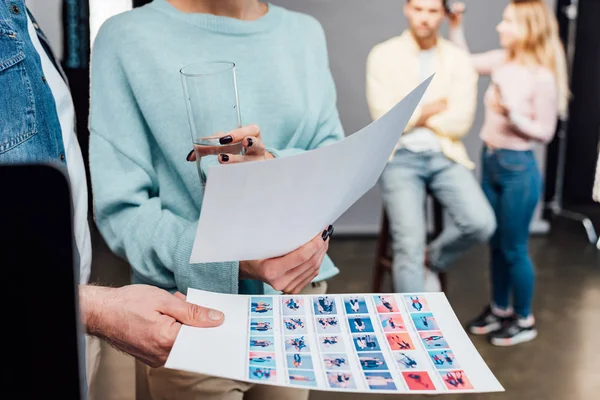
<point>384,257</point>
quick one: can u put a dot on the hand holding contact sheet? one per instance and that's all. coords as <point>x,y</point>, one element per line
<point>370,343</point>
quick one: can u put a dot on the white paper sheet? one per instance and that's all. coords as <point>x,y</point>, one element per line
<point>266,209</point>
<point>282,342</point>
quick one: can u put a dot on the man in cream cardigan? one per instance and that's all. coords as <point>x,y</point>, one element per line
<point>430,156</point>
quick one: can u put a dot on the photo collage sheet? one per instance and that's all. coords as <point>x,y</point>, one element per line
<point>367,343</point>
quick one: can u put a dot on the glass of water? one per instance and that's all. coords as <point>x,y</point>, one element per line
<point>211,98</point>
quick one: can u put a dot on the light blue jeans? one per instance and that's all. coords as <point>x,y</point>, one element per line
<point>405,183</point>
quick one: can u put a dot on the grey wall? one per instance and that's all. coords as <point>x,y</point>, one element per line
<point>353,27</point>
<point>48,15</point>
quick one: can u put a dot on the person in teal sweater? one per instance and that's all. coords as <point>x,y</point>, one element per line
<point>148,198</point>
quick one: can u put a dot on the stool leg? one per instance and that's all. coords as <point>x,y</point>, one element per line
<point>377,276</point>
<point>444,282</point>
<point>381,253</point>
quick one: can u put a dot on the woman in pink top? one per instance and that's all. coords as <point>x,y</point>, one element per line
<point>529,91</point>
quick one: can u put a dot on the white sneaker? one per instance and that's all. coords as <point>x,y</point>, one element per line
<point>432,281</point>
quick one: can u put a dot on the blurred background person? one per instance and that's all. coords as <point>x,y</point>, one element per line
<point>430,156</point>
<point>529,90</point>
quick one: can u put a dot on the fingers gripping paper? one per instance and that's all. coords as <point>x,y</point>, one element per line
<point>287,195</point>
<point>369,343</point>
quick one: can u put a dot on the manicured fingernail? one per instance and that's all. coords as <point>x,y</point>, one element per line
<point>330,230</point>
<point>215,315</point>
<point>226,139</point>
<point>224,157</point>
<point>189,155</point>
<point>250,142</point>
<point>325,235</point>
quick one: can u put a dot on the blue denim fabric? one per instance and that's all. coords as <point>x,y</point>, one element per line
<point>31,131</point>
<point>512,183</point>
<point>405,183</point>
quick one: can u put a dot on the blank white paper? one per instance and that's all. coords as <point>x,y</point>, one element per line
<point>267,209</point>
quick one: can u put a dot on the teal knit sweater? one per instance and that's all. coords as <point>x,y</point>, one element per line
<point>147,198</point>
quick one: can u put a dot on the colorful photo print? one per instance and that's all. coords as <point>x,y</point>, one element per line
<point>380,381</point>
<point>367,342</point>
<point>263,374</point>
<point>261,307</point>
<point>418,380</point>
<point>324,305</point>
<point>416,303</point>
<point>425,322</point>
<point>409,360</point>
<point>400,341</point>
<point>386,304</point>
<point>327,325</point>
<point>299,361</point>
<point>456,380</point>
<point>444,359</point>
<point>296,344</point>
<point>372,362</point>
<point>261,326</point>
<point>341,380</point>
<point>433,340</point>
<point>292,325</point>
<point>360,324</point>
<point>336,362</point>
<point>330,344</point>
<point>302,378</point>
<point>392,323</point>
<point>262,343</point>
<point>355,305</point>
<point>261,359</point>
<point>292,306</point>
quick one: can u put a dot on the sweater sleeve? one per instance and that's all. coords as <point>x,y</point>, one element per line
<point>484,62</point>
<point>127,204</point>
<point>380,96</point>
<point>456,121</point>
<point>541,125</point>
<point>329,127</point>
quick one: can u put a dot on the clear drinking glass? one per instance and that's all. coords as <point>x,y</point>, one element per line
<point>211,98</point>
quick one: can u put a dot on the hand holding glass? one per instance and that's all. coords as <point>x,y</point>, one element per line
<point>213,110</point>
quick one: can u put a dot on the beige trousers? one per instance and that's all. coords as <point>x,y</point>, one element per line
<point>168,384</point>
<point>93,347</point>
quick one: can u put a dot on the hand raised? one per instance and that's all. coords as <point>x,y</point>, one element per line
<point>456,14</point>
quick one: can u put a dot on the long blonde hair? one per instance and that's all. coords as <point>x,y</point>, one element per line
<point>540,44</point>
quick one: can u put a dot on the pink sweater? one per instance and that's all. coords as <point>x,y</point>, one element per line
<point>530,95</point>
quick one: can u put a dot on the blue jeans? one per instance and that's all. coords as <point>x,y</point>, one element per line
<point>512,183</point>
<point>405,183</point>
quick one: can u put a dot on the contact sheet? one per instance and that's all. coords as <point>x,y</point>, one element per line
<point>383,343</point>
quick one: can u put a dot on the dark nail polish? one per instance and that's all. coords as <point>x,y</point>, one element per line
<point>189,155</point>
<point>250,142</point>
<point>224,157</point>
<point>330,230</point>
<point>325,235</point>
<point>226,139</point>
